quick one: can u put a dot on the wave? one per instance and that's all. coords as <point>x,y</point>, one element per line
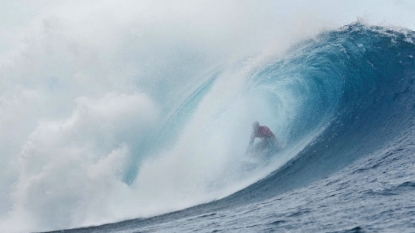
<point>329,100</point>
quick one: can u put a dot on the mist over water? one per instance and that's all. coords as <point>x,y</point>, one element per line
<point>118,110</point>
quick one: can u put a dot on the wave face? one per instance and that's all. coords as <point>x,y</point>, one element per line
<point>332,100</point>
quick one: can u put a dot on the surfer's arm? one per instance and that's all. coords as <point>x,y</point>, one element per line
<point>251,142</point>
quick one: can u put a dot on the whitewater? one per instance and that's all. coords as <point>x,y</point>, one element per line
<point>135,116</point>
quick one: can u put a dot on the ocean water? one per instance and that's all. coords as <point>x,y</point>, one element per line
<point>135,117</point>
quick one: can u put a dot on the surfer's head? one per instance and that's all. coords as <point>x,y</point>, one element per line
<point>255,125</point>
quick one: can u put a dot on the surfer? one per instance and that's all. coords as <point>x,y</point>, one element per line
<point>268,139</point>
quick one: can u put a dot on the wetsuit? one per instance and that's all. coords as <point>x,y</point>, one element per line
<point>263,132</point>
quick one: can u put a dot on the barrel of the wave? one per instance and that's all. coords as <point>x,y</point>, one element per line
<point>354,87</point>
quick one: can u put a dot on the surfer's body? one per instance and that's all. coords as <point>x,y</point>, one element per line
<point>268,139</point>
